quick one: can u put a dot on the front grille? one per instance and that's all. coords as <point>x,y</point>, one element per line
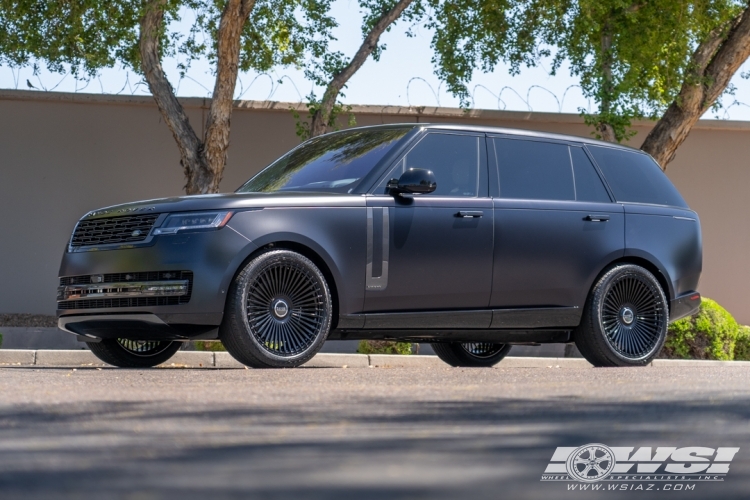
<point>113,230</point>
<point>130,301</point>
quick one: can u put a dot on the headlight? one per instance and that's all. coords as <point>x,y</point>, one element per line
<point>193,221</point>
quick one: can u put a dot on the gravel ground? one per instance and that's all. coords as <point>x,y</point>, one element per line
<point>351,433</point>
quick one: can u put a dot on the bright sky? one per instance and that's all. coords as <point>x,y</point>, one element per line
<point>403,76</point>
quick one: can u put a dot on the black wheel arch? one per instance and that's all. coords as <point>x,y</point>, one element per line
<point>649,266</point>
<point>305,251</point>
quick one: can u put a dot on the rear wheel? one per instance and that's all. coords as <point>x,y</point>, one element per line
<point>126,353</point>
<point>278,312</point>
<point>625,319</point>
<point>471,354</point>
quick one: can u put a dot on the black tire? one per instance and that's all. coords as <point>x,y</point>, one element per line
<point>278,312</point>
<point>471,354</point>
<point>625,319</point>
<point>134,353</point>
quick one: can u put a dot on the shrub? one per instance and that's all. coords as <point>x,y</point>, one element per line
<point>709,334</point>
<point>383,347</point>
<point>209,345</point>
<point>742,347</point>
<point>1,340</point>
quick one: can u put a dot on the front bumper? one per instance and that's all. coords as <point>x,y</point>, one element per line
<point>138,327</point>
<point>684,305</point>
<point>135,293</point>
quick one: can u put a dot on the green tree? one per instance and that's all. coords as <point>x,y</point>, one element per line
<point>663,59</point>
<point>84,36</point>
<point>332,70</point>
<point>722,46</point>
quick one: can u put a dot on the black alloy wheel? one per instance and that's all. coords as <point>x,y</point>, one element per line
<point>126,353</point>
<point>471,354</point>
<point>278,311</point>
<point>625,319</point>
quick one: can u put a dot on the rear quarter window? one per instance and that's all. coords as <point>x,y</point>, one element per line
<point>635,177</point>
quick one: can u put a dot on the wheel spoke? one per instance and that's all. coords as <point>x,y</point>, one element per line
<point>285,308</point>
<point>632,315</point>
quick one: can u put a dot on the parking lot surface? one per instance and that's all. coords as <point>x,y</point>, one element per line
<point>353,433</point>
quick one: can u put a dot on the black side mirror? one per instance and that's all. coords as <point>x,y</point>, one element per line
<point>413,181</point>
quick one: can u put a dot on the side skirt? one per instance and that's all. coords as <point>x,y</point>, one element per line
<point>539,336</point>
<point>529,318</point>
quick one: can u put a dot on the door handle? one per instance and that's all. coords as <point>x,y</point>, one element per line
<point>597,218</point>
<point>468,214</point>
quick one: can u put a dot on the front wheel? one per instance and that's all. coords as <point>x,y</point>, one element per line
<point>278,311</point>
<point>625,319</point>
<point>471,354</point>
<point>126,353</point>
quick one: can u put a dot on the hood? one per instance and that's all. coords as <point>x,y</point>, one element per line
<point>230,201</point>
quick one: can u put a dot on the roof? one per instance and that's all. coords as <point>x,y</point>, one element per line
<point>487,129</point>
<point>524,132</point>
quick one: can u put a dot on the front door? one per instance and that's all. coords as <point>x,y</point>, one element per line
<point>433,252</point>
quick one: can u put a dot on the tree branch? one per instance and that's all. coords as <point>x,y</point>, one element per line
<point>713,65</point>
<point>170,108</point>
<point>322,115</point>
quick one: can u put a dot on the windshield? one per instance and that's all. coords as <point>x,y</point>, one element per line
<point>329,163</point>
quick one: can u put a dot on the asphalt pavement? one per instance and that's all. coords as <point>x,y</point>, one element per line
<point>354,433</point>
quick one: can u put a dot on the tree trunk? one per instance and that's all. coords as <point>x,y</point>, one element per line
<point>190,146</point>
<point>713,65</point>
<point>203,161</point>
<point>322,116</point>
<point>216,139</point>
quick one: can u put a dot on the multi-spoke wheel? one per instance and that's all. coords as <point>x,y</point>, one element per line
<point>278,311</point>
<point>625,319</point>
<point>134,353</point>
<point>471,354</point>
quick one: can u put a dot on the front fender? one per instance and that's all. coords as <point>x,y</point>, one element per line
<point>336,235</point>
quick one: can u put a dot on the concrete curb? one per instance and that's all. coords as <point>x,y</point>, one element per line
<point>223,360</point>
<point>543,363</point>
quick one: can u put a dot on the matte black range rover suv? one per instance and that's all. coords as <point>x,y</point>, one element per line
<point>470,238</point>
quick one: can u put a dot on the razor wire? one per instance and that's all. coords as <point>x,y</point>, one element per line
<point>417,88</point>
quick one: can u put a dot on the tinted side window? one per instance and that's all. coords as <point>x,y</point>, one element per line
<point>589,186</point>
<point>534,170</point>
<point>635,177</point>
<point>458,162</point>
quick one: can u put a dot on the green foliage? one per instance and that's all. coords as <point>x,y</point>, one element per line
<point>324,65</point>
<point>384,347</point>
<point>210,346</point>
<point>1,340</point>
<point>479,34</point>
<point>84,36</point>
<point>712,333</point>
<point>302,127</point>
<point>742,347</point>
<point>631,56</point>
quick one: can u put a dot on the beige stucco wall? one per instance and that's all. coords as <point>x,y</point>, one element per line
<point>62,155</point>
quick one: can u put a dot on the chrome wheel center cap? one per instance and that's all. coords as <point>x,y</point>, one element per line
<point>627,315</point>
<point>280,309</point>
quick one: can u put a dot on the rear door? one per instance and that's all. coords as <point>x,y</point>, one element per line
<point>433,252</point>
<point>556,226</point>
<point>660,226</point>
